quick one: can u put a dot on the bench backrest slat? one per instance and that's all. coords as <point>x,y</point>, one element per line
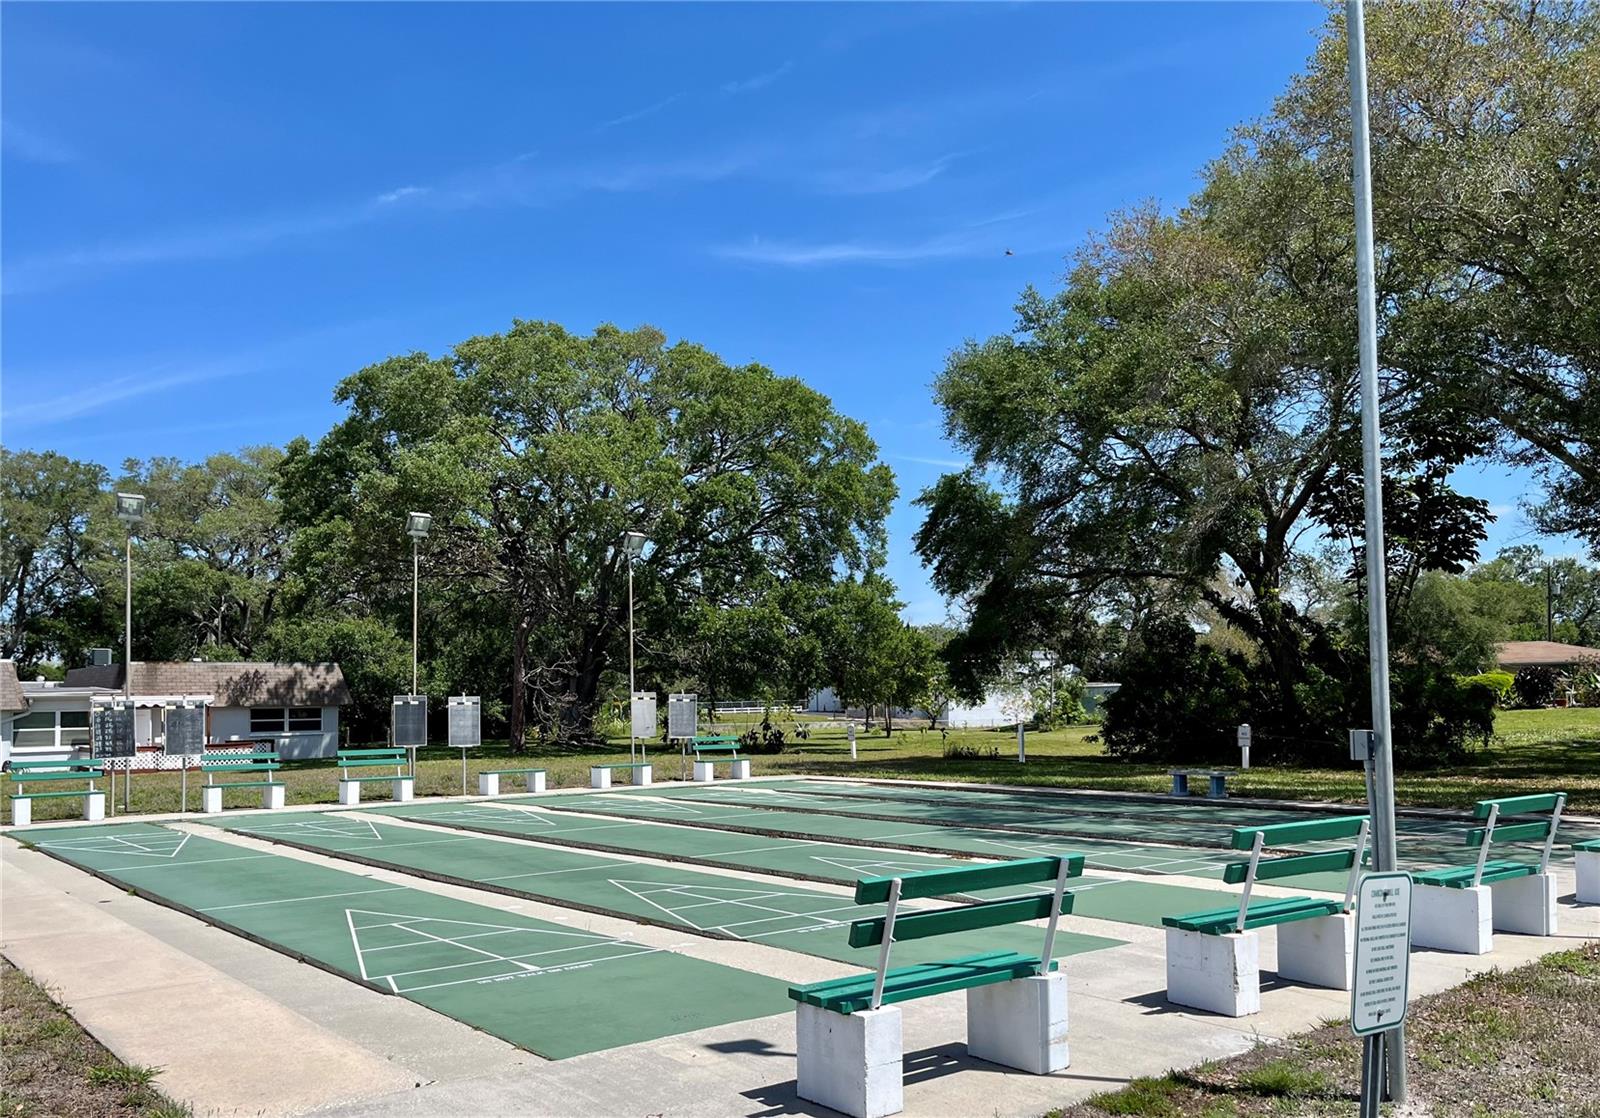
<point>49,766</point>
<point>920,925</point>
<point>1511,832</point>
<point>1287,834</point>
<point>968,879</point>
<point>396,752</point>
<point>1516,805</point>
<point>1269,869</point>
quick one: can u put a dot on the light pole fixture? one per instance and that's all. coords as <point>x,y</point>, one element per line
<point>633,543</point>
<point>417,526</point>
<point>130,510</point>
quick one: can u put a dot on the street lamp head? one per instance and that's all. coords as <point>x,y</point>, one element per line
<point>634,542</point>
<point>418,524</point>
<point>130,507</point>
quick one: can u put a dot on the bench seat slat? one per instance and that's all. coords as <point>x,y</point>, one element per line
<point>1288,834</point>
<point>1234,873</point>
<point>968,879</point>
<point>964,918</point>
<point>507,772</point>
<point>851,995</point>
<point>246,784</point>
<point>1588,846</point>
<point>1219,921</point>
<point>1460,877</point>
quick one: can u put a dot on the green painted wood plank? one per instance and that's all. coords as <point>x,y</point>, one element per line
<point>1288,834</point>
<point>967,879</point>
<point>1516,805</point>
<point>991,914</point>
<point>1270,869</point>
<point>1260,915</point>
<point>855,994</point>
<point>1511,832</point>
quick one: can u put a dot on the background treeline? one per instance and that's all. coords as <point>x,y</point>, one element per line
<point>1165,485</point>
<point>1170,442</point>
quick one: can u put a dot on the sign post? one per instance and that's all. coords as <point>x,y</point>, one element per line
<point>409,726</point>
<point>1244,745</point>
<point>852,741</point>
<point>111,737</point>
<point>1022,742</point>
<point>683,714</point>
<point>464,725</point>
<point>1381,976</point>
<point>185,738</point>
<point>642,721</point>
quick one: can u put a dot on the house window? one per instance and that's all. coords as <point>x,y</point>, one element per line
<point>266,720</point>
<point>305,718</point>
<point>51,729</point>
<point>275,720</point>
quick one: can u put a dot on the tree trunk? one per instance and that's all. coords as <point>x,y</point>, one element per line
<point>517,731</point>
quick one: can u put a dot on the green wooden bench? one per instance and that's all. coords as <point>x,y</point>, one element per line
<point>386,758</point>
<point>718,749</point>
<point>643,773</point>
<point>847,1032</point>
<point>24,772</point>
<point>1458,908</point>
<point>489,780</point>
<point>1213,957</point>
<point>1587,856</point>
<point>251,767</point>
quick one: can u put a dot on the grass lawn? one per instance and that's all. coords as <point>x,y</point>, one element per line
<point>1506,1043</point>
<point>50,1066</point>
<point>1533,750</point>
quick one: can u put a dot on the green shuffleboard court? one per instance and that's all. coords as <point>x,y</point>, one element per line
<point>553,990</point>
<point>779,914</point>
<point>1131,902</point>
<point>1424,841</point>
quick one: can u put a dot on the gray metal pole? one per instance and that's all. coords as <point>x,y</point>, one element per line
<point>1382,807</point>
<point>630,660</point>
<point>415,593</point>
<point>127,667</point>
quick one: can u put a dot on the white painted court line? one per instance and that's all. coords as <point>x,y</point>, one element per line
<point>297,900</point>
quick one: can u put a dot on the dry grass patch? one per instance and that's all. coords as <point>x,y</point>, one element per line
<point>1507,1044</point>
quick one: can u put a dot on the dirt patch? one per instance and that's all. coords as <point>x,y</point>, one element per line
<point>50,1067</point>
<point>1506,1044</point>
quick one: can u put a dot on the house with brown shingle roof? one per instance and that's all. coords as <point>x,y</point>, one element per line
<point>1543,654</point>
<point>289,707</point>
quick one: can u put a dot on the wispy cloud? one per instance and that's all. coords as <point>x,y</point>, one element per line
<point>867,180</point>
<point>941,463</point>
<point>759,81</point>
<point>968,241</point>
<point>640,114</point>
<point>392,196</point>
<point>34,147</point>
<point>101,395</point>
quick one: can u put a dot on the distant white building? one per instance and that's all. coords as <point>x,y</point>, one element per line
<point>290,708</point>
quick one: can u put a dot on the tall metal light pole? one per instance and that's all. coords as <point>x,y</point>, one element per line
<point>1382,806</point>
<point>417,527</point>
<point>130,510</point>
<point>633,543</point>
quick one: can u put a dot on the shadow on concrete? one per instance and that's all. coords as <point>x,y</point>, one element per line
<point>749,1047</point>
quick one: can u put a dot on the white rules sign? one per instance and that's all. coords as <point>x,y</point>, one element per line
<point>1383,953</point>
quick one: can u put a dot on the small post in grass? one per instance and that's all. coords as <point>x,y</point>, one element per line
<point>1244,745</point>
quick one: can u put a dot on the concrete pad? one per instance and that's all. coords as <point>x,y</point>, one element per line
<point>156,1005</point>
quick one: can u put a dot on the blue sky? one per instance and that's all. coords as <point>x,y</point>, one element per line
<point>212,213</point>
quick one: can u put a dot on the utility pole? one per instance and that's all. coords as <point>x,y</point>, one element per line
<point>1549,601</point>
<point>1382,806</point>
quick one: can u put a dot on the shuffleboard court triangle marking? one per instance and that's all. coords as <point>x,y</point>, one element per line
<point>884,866</point>
<point>708,895</point>
<point>333,826</point>
<point>165,844</point>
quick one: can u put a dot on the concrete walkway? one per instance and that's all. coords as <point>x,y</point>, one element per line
<point>243,1030</point>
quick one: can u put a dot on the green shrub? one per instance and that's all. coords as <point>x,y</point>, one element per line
<point>1497,682</point>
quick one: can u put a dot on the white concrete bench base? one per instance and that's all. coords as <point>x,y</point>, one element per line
<point>1588,876</point>
<point>599,778</point>
<point>850,1062</point>
<point>94,808</point>
<point>350,790</point>
<point>1318,952</point>
<point>1458,920</point>
<point>1219,974</point>
<point>272,797</point>
<point>1020,1024</point>
<point>706,771</point>
<point>1525,905</point>
<point>489,783</point>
